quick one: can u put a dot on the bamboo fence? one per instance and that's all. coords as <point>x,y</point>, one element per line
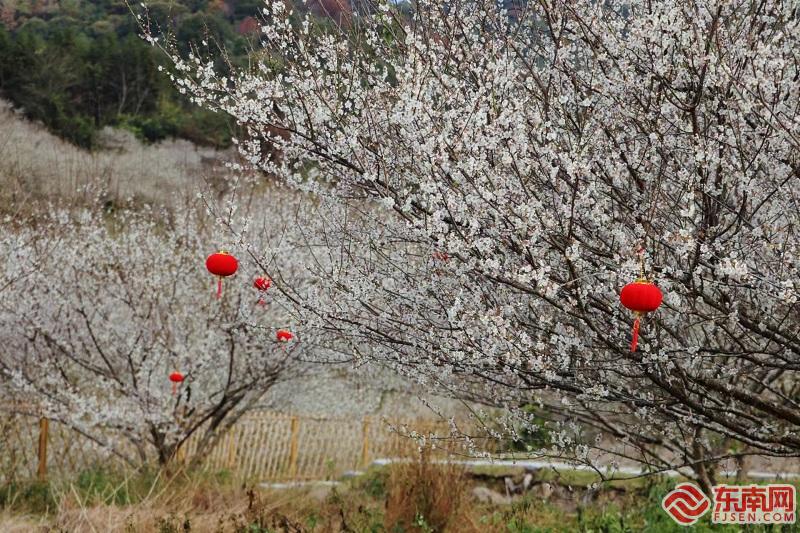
<point>262,445</point>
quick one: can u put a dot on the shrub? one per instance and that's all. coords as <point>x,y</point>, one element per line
<point>424,496</point>
<point>33,497</point>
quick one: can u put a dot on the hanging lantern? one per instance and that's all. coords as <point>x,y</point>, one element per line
<point>283,335</point>
<point>262,284</point>
<point>221,264</point>
<point>641,297</point>
<point>176,378</point>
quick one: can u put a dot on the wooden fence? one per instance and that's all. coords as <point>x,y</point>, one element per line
<point>273,446</point>
<point>262,445</point>
<point>36,447</point>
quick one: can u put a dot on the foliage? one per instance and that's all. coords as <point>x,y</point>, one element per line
<point>30,497</point>
<point>373,482</point>
<point>78,70</point>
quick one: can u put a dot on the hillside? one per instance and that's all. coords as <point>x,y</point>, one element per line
<point>79,66</point>
<point>37,165</point>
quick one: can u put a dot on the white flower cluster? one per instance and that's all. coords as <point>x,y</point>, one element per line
<point>503,167</point>
<point>98,311</point>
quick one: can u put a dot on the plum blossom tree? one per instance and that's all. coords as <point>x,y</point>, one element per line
<point>484,178</point>
<point>100,309</point>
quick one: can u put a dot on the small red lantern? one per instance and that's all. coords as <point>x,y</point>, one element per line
<point>262,284</point>
<point>176,378</point>
<point>641,297</point>
<point>283,335</point>
<point>221,264</point>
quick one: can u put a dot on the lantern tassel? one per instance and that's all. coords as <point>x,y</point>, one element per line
<point>635,339</point>
<point>219,287</point>
<point>174,388</point>
<point>261,301</point>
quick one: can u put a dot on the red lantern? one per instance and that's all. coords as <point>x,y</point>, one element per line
<point>641,297</point>
<point>262,284</point>
<point>176,378</point>
<point>283,335</point>
<point>221,264</point>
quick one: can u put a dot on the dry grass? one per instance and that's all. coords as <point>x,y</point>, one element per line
<point>425,496</point>
<point>16,523</point>
<point>180,503</point>
<point>129,503</point>
<point>410,497</point>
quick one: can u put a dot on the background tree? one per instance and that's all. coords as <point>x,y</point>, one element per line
<point>79,67</point>
<point>98,310</point>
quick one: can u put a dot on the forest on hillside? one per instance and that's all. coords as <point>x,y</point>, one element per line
<point>78,66</point>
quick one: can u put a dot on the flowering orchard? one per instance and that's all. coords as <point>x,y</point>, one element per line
<point>487,175</point>
<point>111,325</point>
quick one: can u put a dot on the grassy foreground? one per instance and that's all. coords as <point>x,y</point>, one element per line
<point>419,497</point>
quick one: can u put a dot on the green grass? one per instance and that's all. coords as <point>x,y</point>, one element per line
<point>28,497</point>
<point>98,486</point>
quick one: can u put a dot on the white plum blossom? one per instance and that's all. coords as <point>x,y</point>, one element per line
<point>504,163</point>
<point>101,308</point>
